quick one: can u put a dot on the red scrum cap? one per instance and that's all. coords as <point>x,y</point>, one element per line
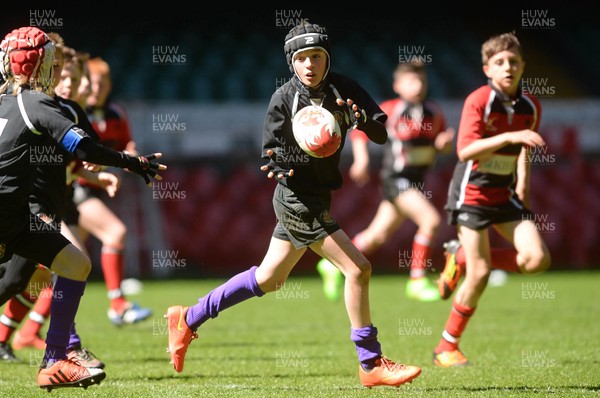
<point>27,51</point>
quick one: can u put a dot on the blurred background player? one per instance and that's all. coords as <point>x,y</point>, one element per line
<point>95,216</point>
<point>301,201</point>
<point>417,132</point>
<point>490,188</point>
<point>84,89</point>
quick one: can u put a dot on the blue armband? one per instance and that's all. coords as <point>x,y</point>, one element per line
<point>71,139</point>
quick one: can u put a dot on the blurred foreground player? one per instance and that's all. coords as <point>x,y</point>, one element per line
<point>29,116</point>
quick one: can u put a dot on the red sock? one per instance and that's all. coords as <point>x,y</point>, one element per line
<point>15,310</point>
<point>39,314</point>
<point>455,325</point>
<point>421,251</point>
<point>113,266</point>
<point>506,259</point>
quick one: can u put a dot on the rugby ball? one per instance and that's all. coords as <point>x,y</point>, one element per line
<point>316,131</point>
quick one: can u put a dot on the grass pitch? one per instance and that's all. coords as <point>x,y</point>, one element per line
<point>536,336</point>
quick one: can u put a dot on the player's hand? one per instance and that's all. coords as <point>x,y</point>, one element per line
<point>444,139</point>
<point>275,170</point>
<point>358,116</point>
<point>94,168</point>
<point>110,182</point>
<point>528,138</point>
<point>146,166</point>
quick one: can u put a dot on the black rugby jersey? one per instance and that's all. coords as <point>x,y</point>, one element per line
<point>27,121</point>
<point>310,173</point>
<point>49,192</point>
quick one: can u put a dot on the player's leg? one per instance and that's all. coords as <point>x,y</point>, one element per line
<point>100,221</point>
<point>183,322</point>
<point>72,268</point>
<point>75,350</point>
<point>415,205</point>
<point>15,278</point>
<point>386,221</point>
<point>375,369</point>
<point>29,334</point>
<point>476,247</point>
<point>340,251</point>
<point>20,276</point>
<point>530,254</point>
<point>39,288</point>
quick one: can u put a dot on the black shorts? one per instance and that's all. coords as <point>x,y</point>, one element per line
<point>303,218</point>
<point>34,240</point>
<point>481,217</point>
<point>71,216</point>
<point>393,186</point>
<point>81,193</point>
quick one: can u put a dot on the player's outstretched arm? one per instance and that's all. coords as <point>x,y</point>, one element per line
<point>77,142</point>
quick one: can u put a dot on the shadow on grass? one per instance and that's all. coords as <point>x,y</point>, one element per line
<point>548,389</point>
<point>197,376</point>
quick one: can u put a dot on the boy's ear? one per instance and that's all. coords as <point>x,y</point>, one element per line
<point>486,68</point>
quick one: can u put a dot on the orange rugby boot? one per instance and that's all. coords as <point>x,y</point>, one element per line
<point>68,373</point>
<point>452,271</point>
<point>85,358</point>
<point>180,335</point>
<point>388,373</point>
<point>448,359</point>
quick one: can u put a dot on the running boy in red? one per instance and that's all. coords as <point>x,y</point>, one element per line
<point>490,189</point>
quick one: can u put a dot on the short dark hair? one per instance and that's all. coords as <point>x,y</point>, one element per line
<point>498,43</point>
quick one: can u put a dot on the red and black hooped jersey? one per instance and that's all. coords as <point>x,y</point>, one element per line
<point>412,129</point>
<point>111,125</point>
<point>489,181</point>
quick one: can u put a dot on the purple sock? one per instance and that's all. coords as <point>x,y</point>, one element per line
<point>66,296</point>
<point>74,340</point>
<point>367,345</point>
<point>237,289</point>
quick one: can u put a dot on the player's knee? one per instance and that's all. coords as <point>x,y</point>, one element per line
<point>117,234</point>
<point>77,267</point>
<point>537,261</point>
<point>433,223</point>
<point>81,270</point>
<point>85,267</point>
<point>362,271</point>
<point>42,278</point>
<point>479,274</point>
